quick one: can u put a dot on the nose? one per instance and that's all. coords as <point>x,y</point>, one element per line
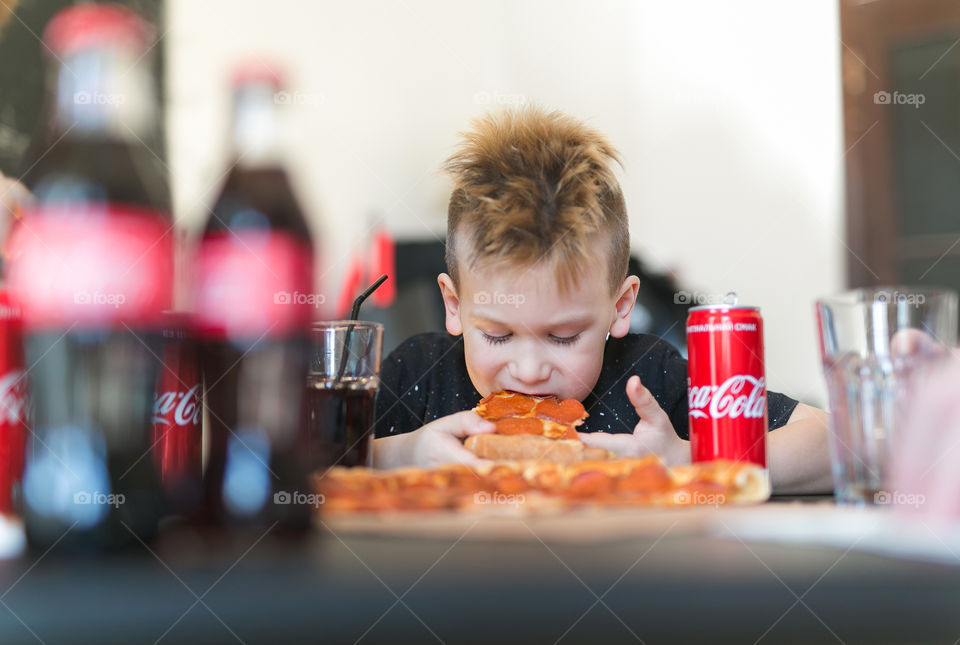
<point>529,369</point>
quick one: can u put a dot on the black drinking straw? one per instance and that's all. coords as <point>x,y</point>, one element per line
<point>354,314</point>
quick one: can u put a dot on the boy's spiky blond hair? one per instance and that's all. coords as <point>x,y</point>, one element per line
<point>531,187</point>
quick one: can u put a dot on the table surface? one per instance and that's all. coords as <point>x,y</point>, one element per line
<point>664,580</point>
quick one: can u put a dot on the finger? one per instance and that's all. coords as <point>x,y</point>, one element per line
<point>463,424</point>
<point>456,453</point>
<point>470,459</point>
<point>645,404</point>
<point>906,342</point>
<point>599,439</point>
<point>624,445</point>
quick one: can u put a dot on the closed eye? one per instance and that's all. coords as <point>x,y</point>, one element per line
<point>495,340</point>
<point>565,340</point>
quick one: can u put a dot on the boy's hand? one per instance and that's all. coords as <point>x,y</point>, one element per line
<point>653,433</point>
<point>438,442</point>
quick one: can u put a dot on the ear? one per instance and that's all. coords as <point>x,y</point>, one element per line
<point>626,298</point>
<point>451,304</point>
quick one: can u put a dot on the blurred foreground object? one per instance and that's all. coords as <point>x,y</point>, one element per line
<point>6,12</point>
<point>925,479</point>
<point>91,266</point>
<point>253,302</point>
<point>177,440</point>
<point>871,359</point>
<point>14,198</point>
<point>13,406</point>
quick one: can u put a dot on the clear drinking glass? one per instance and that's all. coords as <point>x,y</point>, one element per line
<point>873,342</point>
<point>342,387</point>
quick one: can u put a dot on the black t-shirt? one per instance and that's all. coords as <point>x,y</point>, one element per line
<point>426,378</point>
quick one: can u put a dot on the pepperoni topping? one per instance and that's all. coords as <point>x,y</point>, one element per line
<point>516,413</point>
<point>568,411</point>
<point>654,477</point>
<point>519,425</point>
<point>512,405</point>
<point>590,483</point>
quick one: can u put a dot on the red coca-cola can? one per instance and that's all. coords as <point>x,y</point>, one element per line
<point>177,416</point>
<point>13,405</point>
<point>726,385</point>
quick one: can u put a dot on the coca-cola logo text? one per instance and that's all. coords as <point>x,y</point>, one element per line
<point>732,398</point>
<point>13,397</point>
<point>186,407</point>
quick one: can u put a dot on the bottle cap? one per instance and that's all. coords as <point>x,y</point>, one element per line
<point>263,72</point>
<point>95,25</point>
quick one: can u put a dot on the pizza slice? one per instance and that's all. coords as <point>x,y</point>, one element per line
<point>533,428</point>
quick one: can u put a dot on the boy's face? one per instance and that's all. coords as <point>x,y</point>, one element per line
<point>521,334</point>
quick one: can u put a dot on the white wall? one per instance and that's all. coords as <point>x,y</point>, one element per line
<point>727,115</point>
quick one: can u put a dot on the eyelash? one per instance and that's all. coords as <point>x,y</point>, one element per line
<point>497,340</point>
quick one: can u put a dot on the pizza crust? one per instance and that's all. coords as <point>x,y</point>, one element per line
<point>523,447</point>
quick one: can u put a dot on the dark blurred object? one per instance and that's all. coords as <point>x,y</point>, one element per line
<point>177,410</point>
<point>658,311</point>
<point>13,405</point>
<point>419,307</point>
<point>92,267</point>
<point>22,67</point>
<point>6,13</point>
<point>253,294</point>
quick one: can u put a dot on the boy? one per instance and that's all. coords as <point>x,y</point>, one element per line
<point>538,301</point>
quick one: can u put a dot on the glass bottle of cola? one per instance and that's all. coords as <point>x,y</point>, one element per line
<point>91,267</point>
<point>254,274</point>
